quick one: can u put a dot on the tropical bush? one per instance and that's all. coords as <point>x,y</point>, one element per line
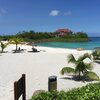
<point>3,46</point>
<point>82,71</point>
<point>88,92</point>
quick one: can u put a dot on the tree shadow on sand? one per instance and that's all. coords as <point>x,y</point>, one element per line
<point>4,52</point>
<point>76,78</point>
<point>19,51</point>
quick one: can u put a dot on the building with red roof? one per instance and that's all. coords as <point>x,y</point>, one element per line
<point>63,32</point>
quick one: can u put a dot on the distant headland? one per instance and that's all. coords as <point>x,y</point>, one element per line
<point>60,35</point>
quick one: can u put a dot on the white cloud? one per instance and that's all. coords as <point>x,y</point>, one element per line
<point>68,13</point>
<point>2,12</point>
<point>54,13</point>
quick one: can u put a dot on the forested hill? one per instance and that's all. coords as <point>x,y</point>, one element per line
<point>48,36</point>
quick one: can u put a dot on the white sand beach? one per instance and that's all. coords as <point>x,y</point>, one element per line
<point>37,67</point>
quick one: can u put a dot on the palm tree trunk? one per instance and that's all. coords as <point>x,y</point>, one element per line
<point>79,75</point>
<point>16,47</point>
<point>2,50</point>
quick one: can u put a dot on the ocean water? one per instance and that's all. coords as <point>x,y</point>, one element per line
<point>95,42</point>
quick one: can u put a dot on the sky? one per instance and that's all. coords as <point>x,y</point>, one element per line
<point>50,15</point>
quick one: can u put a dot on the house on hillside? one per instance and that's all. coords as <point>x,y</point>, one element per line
<point>63,32</point>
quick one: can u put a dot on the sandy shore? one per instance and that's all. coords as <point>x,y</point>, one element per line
<point>37,67</point>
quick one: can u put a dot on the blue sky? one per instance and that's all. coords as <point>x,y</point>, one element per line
<point>50,15</point>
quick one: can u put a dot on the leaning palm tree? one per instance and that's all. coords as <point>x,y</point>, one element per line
<point>16,41</point>
<point>3,46</point>
<point>82,70</point>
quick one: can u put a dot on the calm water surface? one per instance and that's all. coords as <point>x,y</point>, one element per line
<point>95,42</point>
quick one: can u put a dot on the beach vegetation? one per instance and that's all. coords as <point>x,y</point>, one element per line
<point>48,36</point>
<point>96,55</point>
<point>16,41</point>
<point>3,46</point>
<point>82,70</point>
<point>89,92</point>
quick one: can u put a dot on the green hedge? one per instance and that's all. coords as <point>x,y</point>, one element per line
<point>88,92</point>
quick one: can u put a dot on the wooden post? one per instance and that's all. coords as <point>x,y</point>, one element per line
<point>20,88</point>
<point>15,91</point>
<point>24,87</point>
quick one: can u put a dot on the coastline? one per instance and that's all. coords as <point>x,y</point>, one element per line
<point>74,45</point>
<point>62,50</point>
<point>48,60</point>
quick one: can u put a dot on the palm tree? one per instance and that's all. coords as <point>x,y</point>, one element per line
<point>3,46</point>
<point>16,41</point>
<point>96,55</point>
<point>82,70</point>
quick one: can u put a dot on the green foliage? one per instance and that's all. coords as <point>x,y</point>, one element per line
<point>67,70</point>
<point>86,55</point>
<point>91,76</point>
<point>96,54</point>
<point>3,46</point>
<point>89,66</point>
<point>81,35</point>
<point>31,35</point>
<point>82,70</point>
<point>88,92</point>
<point>48,36</point>
<point>67,39</point>
<point>16,41</point>
<point>71,58</point>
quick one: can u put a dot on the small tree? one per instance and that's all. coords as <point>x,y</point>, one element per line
<point>82,70</point>
<point>16,41</point>
<point>3,46</point>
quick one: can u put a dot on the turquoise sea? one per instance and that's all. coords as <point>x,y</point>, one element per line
<point>95,42</point>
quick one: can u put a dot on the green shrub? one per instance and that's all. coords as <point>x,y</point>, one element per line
<point>88,92</point>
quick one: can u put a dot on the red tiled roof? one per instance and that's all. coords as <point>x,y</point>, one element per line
<point>64,30</point>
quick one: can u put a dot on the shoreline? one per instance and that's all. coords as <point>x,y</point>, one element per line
<point>64,49</point>
<point>48,60</point>
<point>47,49</point>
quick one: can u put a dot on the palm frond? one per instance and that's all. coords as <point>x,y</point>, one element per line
<point>66,70</point>
<point>16,40</point>
<point>94,53</point>
<point>71,58</point>
<point>92,76</point>
<point>86,55</point>
<point>89,66</point>
<point>80,68</point>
